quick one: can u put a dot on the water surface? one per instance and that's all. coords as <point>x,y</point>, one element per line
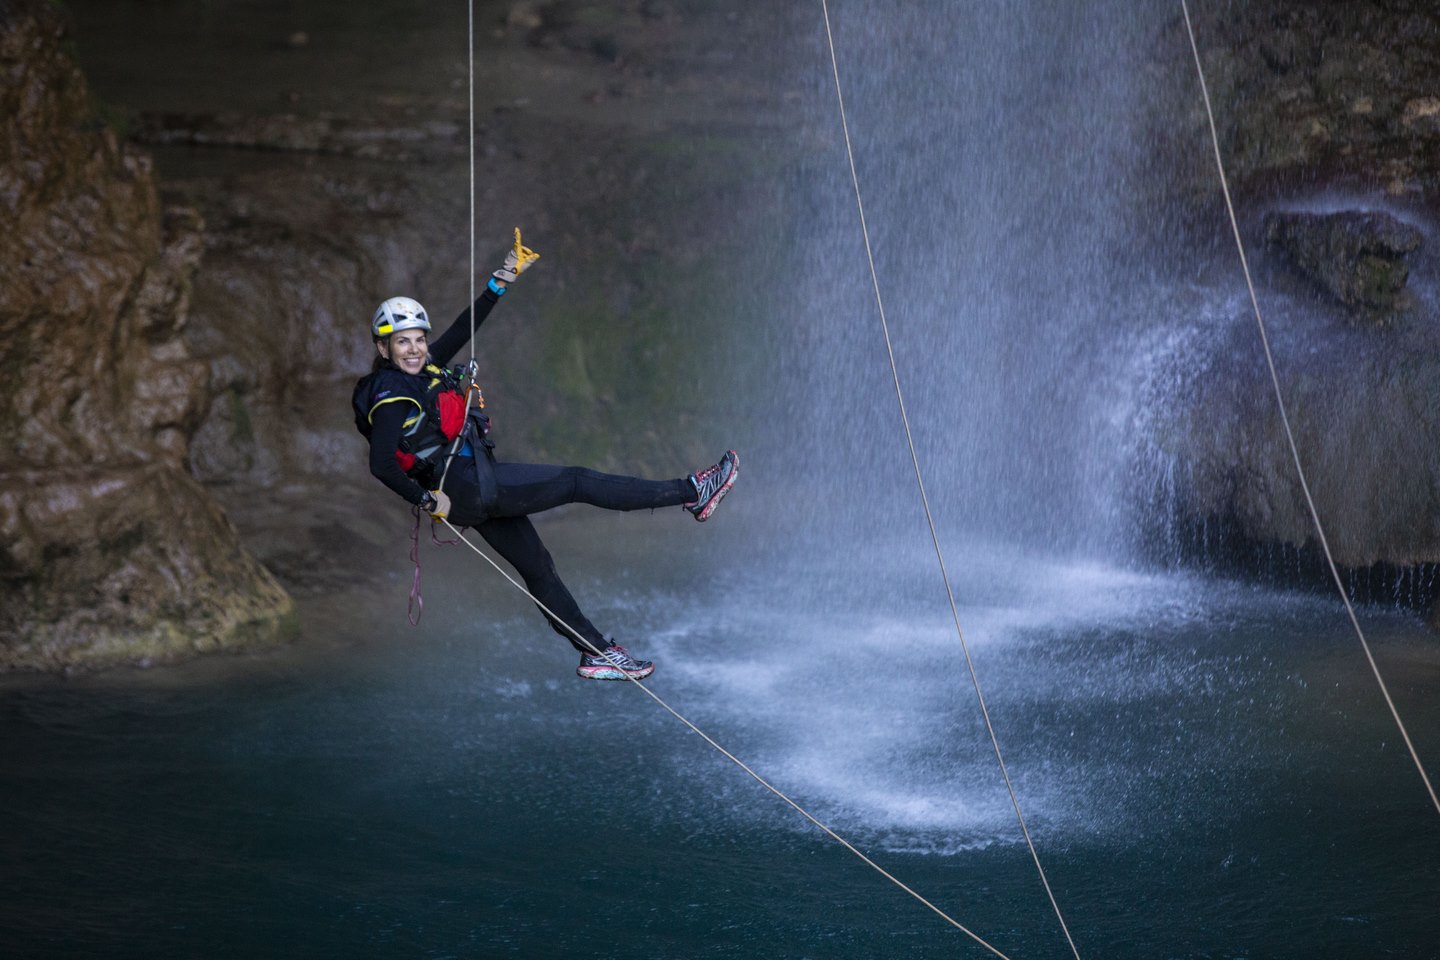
<point>1207,770</point>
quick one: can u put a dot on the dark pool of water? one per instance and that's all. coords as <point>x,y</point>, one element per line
<point>1208,771</point>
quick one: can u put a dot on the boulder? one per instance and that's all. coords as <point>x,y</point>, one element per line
<point>125,564</point>
<point>1215,473</point>
<point>1357,256</point>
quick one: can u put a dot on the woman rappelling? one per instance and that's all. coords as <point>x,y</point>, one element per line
<point>431,445</point>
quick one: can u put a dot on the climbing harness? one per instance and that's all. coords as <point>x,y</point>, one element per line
<point>1285,418</point>
<point>924,498</point>
<point>442,416</point>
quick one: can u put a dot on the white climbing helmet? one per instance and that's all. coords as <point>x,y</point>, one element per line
<point>396,314</point>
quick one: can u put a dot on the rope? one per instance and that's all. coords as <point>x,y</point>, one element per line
<point>473,370</point>
<point>470,23</point>
<point>1285,418</point>
<point>726,753</point>
<point>924,498</point>
<point>415,609</point>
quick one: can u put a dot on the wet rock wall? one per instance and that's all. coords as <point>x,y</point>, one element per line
<point>109,549</point>
<point>1326,114</point>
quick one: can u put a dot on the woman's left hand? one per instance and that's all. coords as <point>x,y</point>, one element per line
<point>517,261</point>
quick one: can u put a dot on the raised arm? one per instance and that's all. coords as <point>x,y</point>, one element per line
<point>517,260</point>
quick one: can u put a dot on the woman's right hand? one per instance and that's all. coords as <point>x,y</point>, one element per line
<point>438,505</point>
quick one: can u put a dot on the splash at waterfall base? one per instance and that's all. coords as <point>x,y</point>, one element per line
<point>1198,759</point>
<point>1209,456</point>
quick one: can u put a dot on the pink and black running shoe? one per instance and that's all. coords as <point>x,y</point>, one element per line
<point>613,663</point>
<point>712,483</point>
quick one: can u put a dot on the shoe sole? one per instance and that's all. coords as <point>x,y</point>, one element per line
<point>612,673</point>
<point>704,515</point>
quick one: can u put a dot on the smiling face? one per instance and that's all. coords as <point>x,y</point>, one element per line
<point>407,349</point>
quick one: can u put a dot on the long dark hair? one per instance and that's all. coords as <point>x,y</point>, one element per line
<point>381,362</point>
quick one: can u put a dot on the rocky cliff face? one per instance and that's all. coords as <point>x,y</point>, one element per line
<point>1344,88</point>
<point>111,551</point>
<point>1327,119</point>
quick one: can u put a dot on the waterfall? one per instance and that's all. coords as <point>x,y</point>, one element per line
<point>997,145</point>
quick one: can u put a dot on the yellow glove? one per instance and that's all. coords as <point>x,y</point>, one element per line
<point>437,504</point>
<point>517,261</point>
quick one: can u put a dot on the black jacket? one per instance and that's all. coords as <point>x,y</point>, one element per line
<point>398,413</point>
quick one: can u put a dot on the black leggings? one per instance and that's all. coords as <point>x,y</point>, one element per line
<point>526,488</point>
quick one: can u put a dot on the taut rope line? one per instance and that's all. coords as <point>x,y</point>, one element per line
<point>470,390</point>
<point>728,755</point>
<point>924,498</point>
<point>470,49</point>
<point>1285,418</point>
